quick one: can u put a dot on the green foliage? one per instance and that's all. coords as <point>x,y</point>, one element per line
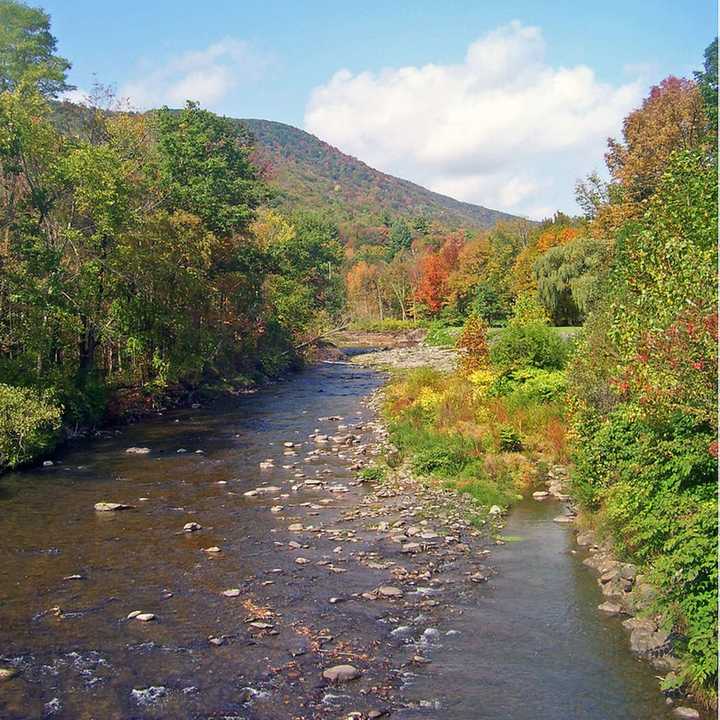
<point>27,50</point>
<point>707,80</point>
<point>386,325</point>
<point>567,276</point>
<point>643,387</point>
<point>205,167</point>
<point>29,425</point>
<point>440,335</point>
<point>528,309</point>
<point>510,440</point>
<point>527,385</point>
<point>534,345</point>
<point>400,237</point>
<point>373,474</point>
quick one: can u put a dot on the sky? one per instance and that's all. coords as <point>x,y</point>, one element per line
<point>504,104</point>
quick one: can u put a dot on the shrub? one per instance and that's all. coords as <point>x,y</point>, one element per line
<point>473,343</point>
<point>29,425</point>
<point>531,385</point>
<point>531,345</point>
<point>510,440</point>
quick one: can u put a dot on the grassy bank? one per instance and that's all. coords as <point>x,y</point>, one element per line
<point>493,427</point>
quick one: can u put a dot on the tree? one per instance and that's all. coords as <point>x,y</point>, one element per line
<point>432,288</point>
<point>566,276</point>
<point>205,168</point>
<point>671,118</point>
<point>707,81</point>
<point>400,237</point>
<point>27,50</point>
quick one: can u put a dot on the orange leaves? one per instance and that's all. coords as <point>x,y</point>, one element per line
<point>671,118</point>
<point>432,288</point>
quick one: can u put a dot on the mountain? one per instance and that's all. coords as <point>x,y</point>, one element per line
<point>309,173</point>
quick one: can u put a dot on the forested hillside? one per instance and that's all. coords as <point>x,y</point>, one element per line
<point>312,174</point>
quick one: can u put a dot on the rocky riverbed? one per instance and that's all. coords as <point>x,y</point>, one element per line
<point>233,562</point>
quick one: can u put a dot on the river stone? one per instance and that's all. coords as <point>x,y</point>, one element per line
<point>389,591</point>
<point>138,450</point>
<point>296,527</point>
<point>111,506</point>
<point>610,608</point>
<point>148,696</point>
<point>266,490</point>
<point>231,592</point>
<point>341,673</point>
<point>192,527</point>
<point>540,494</point>
<point>267,465</point>
<point>213,549</point>
<point>289,444</point>
<point>564,519</point>
<point>687,713</point>
<point>7,673</point>
<point>495,510</point>
<point>411,548</point>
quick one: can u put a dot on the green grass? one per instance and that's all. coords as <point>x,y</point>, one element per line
<point>388,325</point>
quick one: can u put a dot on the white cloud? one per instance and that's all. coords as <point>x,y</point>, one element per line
<point>207,76</point>
<point>503,128</point>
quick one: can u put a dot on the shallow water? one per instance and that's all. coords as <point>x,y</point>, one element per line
<point>529,644</point>
<point>535,645</point>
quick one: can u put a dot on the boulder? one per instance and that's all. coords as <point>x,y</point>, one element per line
<point>341,673</point>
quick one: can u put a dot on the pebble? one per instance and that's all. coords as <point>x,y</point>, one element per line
<point>564,519</point>
<point>389,591</point>
<point>7,673</point>
<point>141,616</point>
<point>341,673</point>
<point>231,592</point>
<point>213,549</point>
<point>138,450</point>
<point>192,527</point>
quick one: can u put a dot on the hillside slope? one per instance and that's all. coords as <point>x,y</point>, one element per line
<point>310,173</point>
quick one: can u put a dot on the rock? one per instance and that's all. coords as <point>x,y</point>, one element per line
<point>564,519</point>
<point>48,463</point>
<point>341,673</point>
<point>111,506</point>
<point>646,638</point>
<point>388,591</point>
<point>301,561</point>
<point>213,549</point>
<point>687,713</point>
<point>7,673</point>
<point>231,592</point>
<point>610,608</point>
<point>276,509</point>
<point>540,495</point>
<point>375,714</point>
<point>148,696</point>
<point>192,527</point>
<point>267,465</point>
<point>138,450</point>
<point>296,527</point>
<point>495,510</point>
<point>141,616</point>
<point>411,548</point>
<point>289,444</point>
<point>263,490</point>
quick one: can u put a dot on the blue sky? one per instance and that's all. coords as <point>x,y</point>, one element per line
<point>278,60</point>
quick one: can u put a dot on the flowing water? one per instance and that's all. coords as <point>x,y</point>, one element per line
<point>527,644</point>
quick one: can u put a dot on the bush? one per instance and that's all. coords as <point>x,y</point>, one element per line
<point>532,345</point>
<point>473,343</point>
<point>510,440</point>
<point>29,425</point>
<point>531,385</point>
<point>373,474</point>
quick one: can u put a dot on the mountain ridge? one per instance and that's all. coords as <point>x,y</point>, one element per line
<point>310,172</point>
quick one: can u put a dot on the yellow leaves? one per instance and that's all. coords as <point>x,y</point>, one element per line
<point>271,229</point>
